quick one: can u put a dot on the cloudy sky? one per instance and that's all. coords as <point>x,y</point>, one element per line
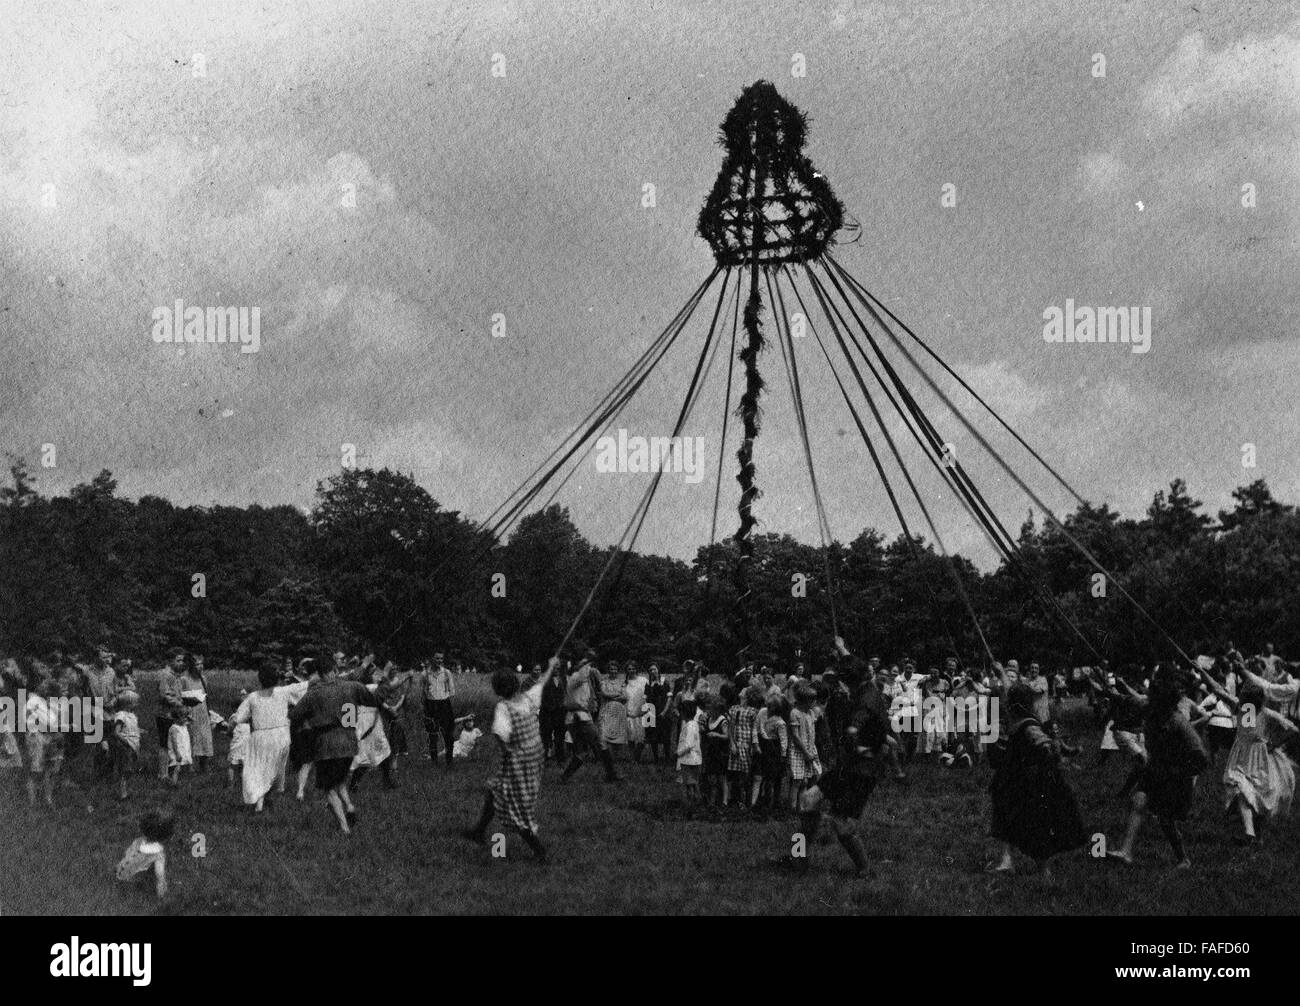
<point>160,151</point>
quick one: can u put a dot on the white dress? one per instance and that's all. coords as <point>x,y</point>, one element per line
<point>1258,773</point>
<point>636,707</point>
<point>373,748</point>
<point>238,743</point>
<point>266,753</point>
<point>178,746</point>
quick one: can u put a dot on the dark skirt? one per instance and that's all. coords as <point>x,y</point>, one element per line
<point>715,757</point>
<point>770,760</point>
<point>1169,796</point>
<point>396,731</point>
<point>302,746</point>
<point>1035,810</point>
<point>1221,738</point>
<point>332,772</point>
<point>847,792</point>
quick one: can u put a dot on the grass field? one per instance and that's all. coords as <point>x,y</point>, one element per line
<point>621,848</point>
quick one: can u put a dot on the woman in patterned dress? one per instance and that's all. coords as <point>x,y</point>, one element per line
<point>512,792</point>
<point>613,708</point>
<point>194,695</point>
<point>741,758</point>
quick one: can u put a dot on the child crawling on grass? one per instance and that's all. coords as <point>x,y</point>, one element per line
<point>148,854</point>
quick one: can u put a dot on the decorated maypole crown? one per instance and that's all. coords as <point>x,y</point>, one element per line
<point>768,207</point>
<point>769,204</point>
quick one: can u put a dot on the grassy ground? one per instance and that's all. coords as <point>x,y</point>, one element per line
<point>620,848</point>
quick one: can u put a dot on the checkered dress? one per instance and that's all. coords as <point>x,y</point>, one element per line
<point>514,787</point>
<point>743,721</point>
<point>804,726</point>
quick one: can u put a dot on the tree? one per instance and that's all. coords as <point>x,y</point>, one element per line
<point>549,569</point>
<point>401,572</point>
<point>1173,521</point>
<point>293,619</point>
<point>1254,500</point>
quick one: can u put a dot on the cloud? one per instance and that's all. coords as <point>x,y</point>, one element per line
<point>1011,394</point>
<point>1256,78</point>
<point>1207,133</point>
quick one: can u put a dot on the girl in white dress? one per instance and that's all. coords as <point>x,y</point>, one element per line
<point>636,709</point>
<point>266,755</point>
<point>373,749</point>
<point>238,747</point>
<point>1259,778</point>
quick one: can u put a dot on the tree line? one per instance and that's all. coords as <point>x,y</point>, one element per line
<point>378,564</point>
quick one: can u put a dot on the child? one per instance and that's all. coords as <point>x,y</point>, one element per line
<point>1167,783</point>
<point>743,719</point>
<point>716,750</point>
<point>178,746</point>
<point>934,720</point>
<point>773,748</point>
<point>1259,778</point>
<point>239,733</point>
<point>689,755</point>
<point>44,741</point>
<point>148,853</point>
<point>842,793</point>
<point>805,766</point>
<point>822,724</point>
<point>1221,729</point>
<point>467,738</point>
<point>125,742</point>
<point>513,790</point>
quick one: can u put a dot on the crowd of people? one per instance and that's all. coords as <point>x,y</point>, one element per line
<point>757,743</point>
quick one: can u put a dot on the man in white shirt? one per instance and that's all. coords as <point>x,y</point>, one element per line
<point>439,717</point>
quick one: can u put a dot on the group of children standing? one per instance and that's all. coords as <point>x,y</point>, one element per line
<point>752,743</point>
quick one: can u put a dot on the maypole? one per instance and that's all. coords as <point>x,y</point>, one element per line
<point>745,456</point>
<point>768,207</point>
<point>768,214</point>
